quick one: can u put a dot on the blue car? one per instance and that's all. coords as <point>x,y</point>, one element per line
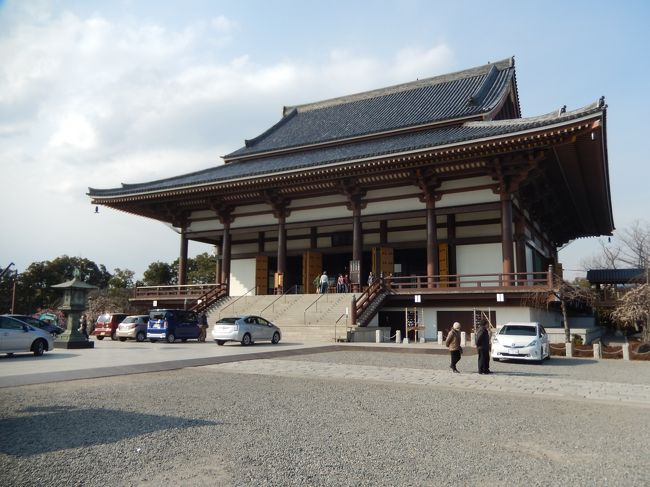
<point>172,324</point>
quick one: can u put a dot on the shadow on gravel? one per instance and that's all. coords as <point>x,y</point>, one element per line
<point>44,430</point>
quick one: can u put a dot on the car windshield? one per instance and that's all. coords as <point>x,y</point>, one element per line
<point>157,315</point>
<point>228,321</point>
<point>519,330</point>
<point>130,319</point>
<point>103,318</point>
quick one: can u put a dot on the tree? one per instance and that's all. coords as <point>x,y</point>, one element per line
<point>633,310</point>
<point>200,269</point>
<point>159,274</point>
<point>121,279</point>
<point>34,284</point>
<point>630,250</point>
<point>568,295</point>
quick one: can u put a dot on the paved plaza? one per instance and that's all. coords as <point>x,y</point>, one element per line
<point>317,414</point>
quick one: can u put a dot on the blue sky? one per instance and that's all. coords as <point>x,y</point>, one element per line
<point>99,93</point>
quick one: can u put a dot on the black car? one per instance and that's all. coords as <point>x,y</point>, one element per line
<point>43,325</point>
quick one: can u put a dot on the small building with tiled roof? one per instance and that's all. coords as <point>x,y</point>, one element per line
<point>438,183</point>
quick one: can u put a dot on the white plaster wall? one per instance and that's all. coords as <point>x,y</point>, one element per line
<point>242,276</point>
<point>478,231</point>
<point>409,236</point>
<point>478,215</point>
<point>371,239</point>
<point>467,198</point>
<point>298,244</point>
<point>466,182</point>
<point>243,249</point>
<point>479,259</point>
<point>391,206</point>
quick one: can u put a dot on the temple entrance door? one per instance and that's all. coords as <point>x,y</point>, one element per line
<point>382,261</point>
<point>312,266</point>
<point>261,275</point>
<point>443,263</point>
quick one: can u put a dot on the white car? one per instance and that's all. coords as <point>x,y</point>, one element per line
<point>134,326</point>
<point>17,336</point>
<point>521,341</point>
<point>245,329</point>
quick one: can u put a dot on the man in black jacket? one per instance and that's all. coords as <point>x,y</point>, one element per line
<point>483,347</point>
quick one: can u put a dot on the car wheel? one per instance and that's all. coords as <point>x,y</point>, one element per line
<point>38,348</point>
<point>220,342</point>
<point>246,340</point>
<point>276,338</point>
<point>113,336</point>
<point>171,338</point>
<point>122,339</point>
<point>140,337</point>
<point>99,337</point>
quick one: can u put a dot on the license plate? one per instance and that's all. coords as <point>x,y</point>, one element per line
<point>513,351</point>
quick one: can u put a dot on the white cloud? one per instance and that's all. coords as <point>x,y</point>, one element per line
<point>97,102</point>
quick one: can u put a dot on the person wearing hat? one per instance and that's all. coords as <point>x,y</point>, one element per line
<point>453,344</point>
<point>483,347</point>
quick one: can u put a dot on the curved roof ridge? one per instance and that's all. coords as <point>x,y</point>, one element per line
<point>554,115</point>
<point>444,78</point>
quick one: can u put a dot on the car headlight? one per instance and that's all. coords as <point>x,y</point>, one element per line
<point>495,340</point>
<point>533,343</point>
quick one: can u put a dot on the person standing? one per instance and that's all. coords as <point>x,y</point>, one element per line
<point>83,325</point>
<point>203,324</point>
<point>483,347</point>
<point>371,279</point>
<point>324,282</point>
<point>453,344</point>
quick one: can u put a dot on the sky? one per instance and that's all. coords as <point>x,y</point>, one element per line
<point>97,93</point>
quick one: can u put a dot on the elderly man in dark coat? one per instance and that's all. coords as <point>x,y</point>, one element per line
<point>483,347</point>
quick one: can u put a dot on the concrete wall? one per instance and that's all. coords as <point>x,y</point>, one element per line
<point>242,276</point>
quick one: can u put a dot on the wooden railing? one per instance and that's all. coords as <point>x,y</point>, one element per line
<point>188,290</point>
<point>455,283</point>
<point>204,301</point>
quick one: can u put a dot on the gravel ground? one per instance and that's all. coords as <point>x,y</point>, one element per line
<point>195,427</point>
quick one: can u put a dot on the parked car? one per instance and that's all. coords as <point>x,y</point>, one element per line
<point>521,341</point>
<point>245,329</point>
<point>16,336</point>
<point>106,325</point>
<point>134,326</point>
<point>170,324</point>
<point>42,324</point>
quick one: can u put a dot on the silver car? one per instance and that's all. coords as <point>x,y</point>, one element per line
<point>134,326</point>
<point>17,336</point>
<point>245,329</point>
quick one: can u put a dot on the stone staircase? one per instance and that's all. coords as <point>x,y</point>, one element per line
<point>301,317</point>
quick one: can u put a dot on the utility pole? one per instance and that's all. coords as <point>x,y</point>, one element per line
<point>13,294</point>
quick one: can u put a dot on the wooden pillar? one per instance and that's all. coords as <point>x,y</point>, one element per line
<point>383,232</point>
<point>225,260</point>
<point>282,243</point>
<point>506,236</point>
<point>313,238</point>
<point>260,242</point>
<point>520,247</point>
<point>357,239</point>
<point>433,268</point>
<point>217,267</point>
<point>182,259</point>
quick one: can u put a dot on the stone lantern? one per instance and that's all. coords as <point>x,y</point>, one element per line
<point>75,294</point>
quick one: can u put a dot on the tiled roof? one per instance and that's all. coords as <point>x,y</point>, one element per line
<point>616,276</point>
<point>470,93</point>
<point>322,156</point>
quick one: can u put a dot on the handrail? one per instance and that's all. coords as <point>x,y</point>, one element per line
<point>472,281</point>
<point>312,304</point>
<point>344,315</point>
<point>235,301</point>
<point>284,294</point>
<point>367,297</point>
<point>209,297</point>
